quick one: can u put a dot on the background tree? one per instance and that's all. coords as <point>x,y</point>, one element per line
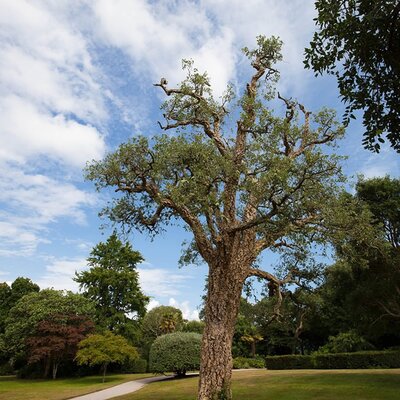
<point>105,349</point>
<point>193,326</point>
<point>359,43</point>
<point>9,296</point>
<point>112,283</point>
<point>362,288</point>
<point>33,308</point>
<point>56,340</point>
<point>268,185</point>
<point>177,352</point>
<point>161,320</point>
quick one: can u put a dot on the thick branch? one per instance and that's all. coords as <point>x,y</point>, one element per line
<point>213,134</point>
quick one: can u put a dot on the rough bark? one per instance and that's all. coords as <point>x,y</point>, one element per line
<point>225,283</point>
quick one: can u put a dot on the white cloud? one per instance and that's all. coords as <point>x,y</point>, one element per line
<point>378,165</point>
<point>52,109</point>
<point>184,306</point>
<point>161,282</point>
<point>152,304</point>
<point>32,201</point>
<point>158,35</point>
<point>59,274</point>
<point>27,133</point>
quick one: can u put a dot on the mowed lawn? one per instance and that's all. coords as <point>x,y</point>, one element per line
<point>59,389</point>
<point>288,385</point>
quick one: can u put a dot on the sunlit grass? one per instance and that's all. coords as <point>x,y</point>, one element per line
<point>288,385</point>
<point>38,389</point>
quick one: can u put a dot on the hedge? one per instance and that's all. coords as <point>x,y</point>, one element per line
<point>357,360</point>
<point>246,363</point>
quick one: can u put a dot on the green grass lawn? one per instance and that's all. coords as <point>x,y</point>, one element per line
<point>288,385</point>
<point>38,389</point>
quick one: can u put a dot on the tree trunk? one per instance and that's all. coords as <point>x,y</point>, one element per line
<point>222,306</point>
<point>47,367</point>
<point>55,368</point>
<point>104,372</point>
<point>253,349</point>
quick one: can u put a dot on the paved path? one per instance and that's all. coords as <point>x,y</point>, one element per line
<point>119,390</point>
<point>129,387</point>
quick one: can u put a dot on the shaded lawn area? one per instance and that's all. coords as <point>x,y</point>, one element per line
<point>39,389</point>
<point>378,384</point>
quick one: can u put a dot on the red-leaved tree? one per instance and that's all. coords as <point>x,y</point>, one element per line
<point>56,339</point>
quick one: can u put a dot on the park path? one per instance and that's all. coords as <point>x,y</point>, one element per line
<point>119,390</point>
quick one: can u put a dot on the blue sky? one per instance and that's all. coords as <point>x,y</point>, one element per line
<point>76,80</point>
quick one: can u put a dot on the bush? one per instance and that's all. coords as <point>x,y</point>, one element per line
<point>6,369</point>
<point>138,366</point>
<point>289,362</point>
<point>358,360</point>
<point>345,342</point>
<point>245,363</point>
<point>176,352</point>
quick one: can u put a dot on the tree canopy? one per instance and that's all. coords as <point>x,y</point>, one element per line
<point>103,349</point>
<point>112,283</point>
<point>359,43</point>
<point>33,308</point>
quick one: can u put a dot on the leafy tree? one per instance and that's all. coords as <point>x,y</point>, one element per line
<point>10,295</point>
<point>360,291</point>
<point>178,352</point>
<point>265,184</point>
<point>193,326</point>
<point>56,339</point>
<point>105,349</point>
<point>359,43</point>
<point>345,342</point>
<point>252,337</point>
<point>112,282</point>
<point>20,287</point>
<point>161,320</point>
<point>382,195</point>
<point>33,308</point>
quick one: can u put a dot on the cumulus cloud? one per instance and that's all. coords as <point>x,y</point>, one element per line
<point>29,203</point>
<point>157,35</point>
<point>52,110</point>
<point>161,282</point>
<point>59,274</point>
<point>187,311</point>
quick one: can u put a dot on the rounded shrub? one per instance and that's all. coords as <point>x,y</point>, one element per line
<point>175,352</point>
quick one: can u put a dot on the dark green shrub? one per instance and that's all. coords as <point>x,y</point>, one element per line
<point>358,360</point>
<point>345,342</point>
<point>362,360</point>
<point>6,369</point>
<point>138,366</point>
<point>289,362</point>
<point>245,363</point>
<point>176,352</point>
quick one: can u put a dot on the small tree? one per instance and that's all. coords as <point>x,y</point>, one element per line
<point>105,349</point>
<point>56,339</point>
<point>177,352</point>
